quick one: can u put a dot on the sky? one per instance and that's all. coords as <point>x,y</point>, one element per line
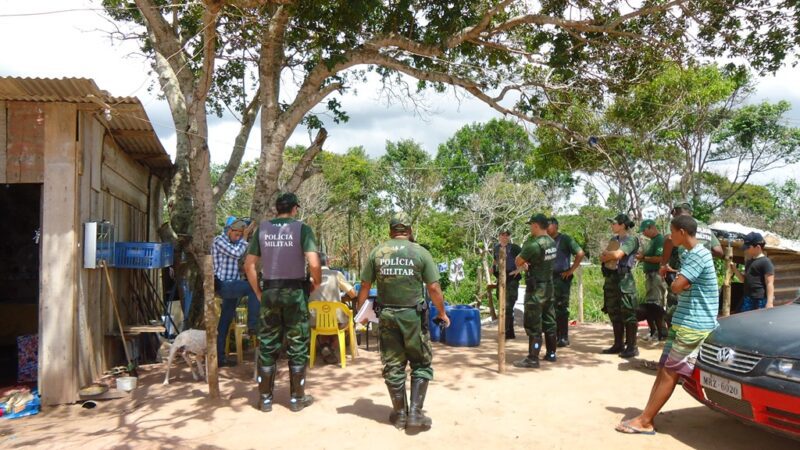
<point>75,43</point>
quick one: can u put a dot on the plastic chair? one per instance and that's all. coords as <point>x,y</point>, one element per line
<point>327,325</point>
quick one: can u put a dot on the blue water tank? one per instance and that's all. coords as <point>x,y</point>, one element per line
<point>436,333</point>
<point>465,326</point>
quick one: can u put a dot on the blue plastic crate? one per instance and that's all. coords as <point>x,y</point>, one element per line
<point>142,255</point>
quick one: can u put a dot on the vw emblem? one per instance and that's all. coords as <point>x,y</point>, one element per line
<point>726,355</point>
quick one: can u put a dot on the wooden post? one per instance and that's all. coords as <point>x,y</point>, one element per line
<point>501,306</point>
<point>726,284</point>
<point>489,286</point>
<point>580,294</point>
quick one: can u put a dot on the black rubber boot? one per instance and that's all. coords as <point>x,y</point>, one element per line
<point>550,347</point>
<point>266,384</point>
<point>631,349</point>
<point>399,414</point>
<point>510,325</point>
<point>416,419</point>
<point>617,347</point>
<point>563,331</point>
<point>532,360</point>
<point>297,381</point>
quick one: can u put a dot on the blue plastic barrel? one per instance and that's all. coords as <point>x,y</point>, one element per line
<point>437,334</point>
<point>465,327</point>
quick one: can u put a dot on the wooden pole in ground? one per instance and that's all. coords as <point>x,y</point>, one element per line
<point>726,285</point>
<point>116,313</point>
<point>580,294</point>
<point>501,306</point>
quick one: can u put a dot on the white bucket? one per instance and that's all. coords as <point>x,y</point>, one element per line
<point>126,384</point>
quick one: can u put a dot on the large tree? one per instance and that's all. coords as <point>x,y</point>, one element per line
<point>507,53</point>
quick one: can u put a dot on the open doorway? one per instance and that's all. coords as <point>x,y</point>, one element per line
<point>20,226</point>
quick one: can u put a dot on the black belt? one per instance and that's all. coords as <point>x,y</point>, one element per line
<point>283,284</point>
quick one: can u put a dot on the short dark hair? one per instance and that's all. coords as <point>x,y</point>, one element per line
<point>686,223</point>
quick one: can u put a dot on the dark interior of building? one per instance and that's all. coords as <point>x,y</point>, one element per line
<point>20,226</point>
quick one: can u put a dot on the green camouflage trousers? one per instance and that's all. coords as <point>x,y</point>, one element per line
<point>561,291</point>
<point>656,288</point>
<point>619,297</point>
<point>540,313</point>
<point>403,341</point>
<point>284,314</point>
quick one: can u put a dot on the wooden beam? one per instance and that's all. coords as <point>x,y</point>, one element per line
<point>124,165</point>
<point>57,300</point>
<point>2,142</point>
<point>122,189</point>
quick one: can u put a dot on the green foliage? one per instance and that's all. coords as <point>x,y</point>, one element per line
<point>593,294</point>
<point>461,293</point>
<point>408,177</point>
<point>480,149</point>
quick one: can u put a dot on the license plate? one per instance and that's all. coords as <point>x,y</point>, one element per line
<point>720,384</point>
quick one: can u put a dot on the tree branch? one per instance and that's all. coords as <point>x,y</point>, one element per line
<point>239,146</point>
<point>304,169</point>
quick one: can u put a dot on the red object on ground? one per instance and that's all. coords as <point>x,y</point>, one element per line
<point>771,410</point>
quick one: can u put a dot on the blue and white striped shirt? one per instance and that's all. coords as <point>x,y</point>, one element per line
<point>698,306</point>
<point>226,255</point>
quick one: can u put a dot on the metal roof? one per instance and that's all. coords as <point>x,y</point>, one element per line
<point>128,124</point>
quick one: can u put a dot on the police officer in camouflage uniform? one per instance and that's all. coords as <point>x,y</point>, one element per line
<point>538,253</point>
<point>656,288</point>
<point>619,288</point>
<point>671,257</point>
<point>563,271</point>
<point>400,267</point>
<point>283,247</point>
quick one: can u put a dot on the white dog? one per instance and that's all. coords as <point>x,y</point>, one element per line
<point>189,341</point>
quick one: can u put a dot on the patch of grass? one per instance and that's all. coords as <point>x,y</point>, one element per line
<point>593,294</point>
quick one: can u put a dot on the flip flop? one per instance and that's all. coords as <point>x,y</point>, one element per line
<point>626,428</point>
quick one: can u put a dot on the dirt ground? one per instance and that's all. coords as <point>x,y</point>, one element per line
<point>571,404</point>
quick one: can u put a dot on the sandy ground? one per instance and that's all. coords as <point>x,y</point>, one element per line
<point>571,404</point>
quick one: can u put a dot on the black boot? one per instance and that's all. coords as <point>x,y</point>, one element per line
<point>297,380</point>
<point>510,325</point>
<point>631,349</point>
<point>416,419</point>
<point>399,414</point>
<point>550,347</point>
<point>266,383</point>
<point>563,331</point>
<point>617,347</point>
<point>532,360</point>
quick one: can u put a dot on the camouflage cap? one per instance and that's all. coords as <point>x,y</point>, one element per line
<point>287,199</point>
<point>400,222</point>
<point>684,205</point>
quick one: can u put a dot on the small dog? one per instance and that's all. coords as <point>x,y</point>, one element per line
<point>189,341</point>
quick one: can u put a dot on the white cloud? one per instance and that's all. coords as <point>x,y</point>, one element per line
<point>69,44</point>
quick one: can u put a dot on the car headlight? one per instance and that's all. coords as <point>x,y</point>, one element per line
<point>788,369</point>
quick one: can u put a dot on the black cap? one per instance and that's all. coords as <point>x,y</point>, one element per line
<point>752,239</point>
<point>539,219</point>
<point>287,199</point>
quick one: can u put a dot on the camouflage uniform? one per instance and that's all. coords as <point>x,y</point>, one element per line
<point>566,247</point>
<point>619,287</point>
<point>539,252</point>
<point>284,311</point>
<point>400,268</point>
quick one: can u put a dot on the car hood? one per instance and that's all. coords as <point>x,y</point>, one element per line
<point>766,332</point>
